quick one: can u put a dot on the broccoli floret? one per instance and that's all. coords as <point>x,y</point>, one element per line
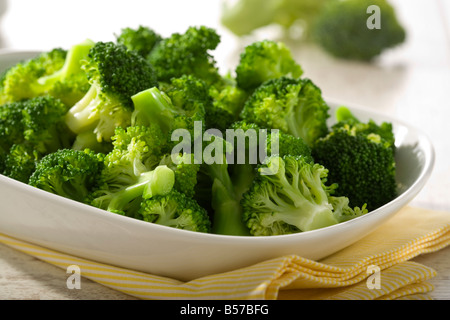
<point>115,74</point>
<point>342,31</point>
<point>37,126</point>
<point>228,99</point>
<point>69,84</point>
<point>136,150</point>
<point>154,107</point>
<point>360,160</point>
<point>68,173</point>
<point>293,106</point>
<point>292,197</point>
<point>21,80</point>
<point>265,60</point>
<point>186,171</point>
<point>175,210</point>
<point>127,200</point>
<point>20,162</point>
<point>186,54</point>
<point>141,39</point>
<point>44,125</point>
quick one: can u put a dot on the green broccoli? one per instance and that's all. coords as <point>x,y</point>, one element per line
<point>186,171</point>
<point>154,107</point>
<point>228,99</point>
<point>141,39</point>
<point>341,29</point>
<point>136,150</point>
<point>20,81</point>
<point>293,106</point>
<point>360,157</point>
<point>291,196</point>
<point>115,74</point>
<point>265,60</point>
<point>187,53</point>
<point>127,200</point>
<point>68,173</point>
<point>70,83</point>
<point>30,129</point>
<point>20,162</point>
<point>175,210</point>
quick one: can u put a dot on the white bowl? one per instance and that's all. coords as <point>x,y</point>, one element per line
<point>74,228</point>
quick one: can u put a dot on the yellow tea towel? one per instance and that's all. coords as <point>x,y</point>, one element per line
<point>376,267</point>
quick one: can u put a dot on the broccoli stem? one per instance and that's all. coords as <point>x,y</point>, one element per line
<point>226,203</point>
<point>83,115</point>
<point>152,105</point>
<point>159,181</point>
<point>72,65</point>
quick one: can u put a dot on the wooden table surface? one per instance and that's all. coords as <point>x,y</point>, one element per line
<point>410,83</point>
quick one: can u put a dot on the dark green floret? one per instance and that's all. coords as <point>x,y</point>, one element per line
<point>186,53</point>
<point>360,157</point>
<point>68,173</point>
<point>141,39</point>
<point>291,194</point>
<point>293,106</point>
<point>175,210</point>
<point>341,29</point>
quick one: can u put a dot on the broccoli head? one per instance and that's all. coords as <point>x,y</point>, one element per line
<point>20,162</point>
<point>21,80</point>
<point>68,173</point>
<point>292,196</point>
<point>175,210</point>
<point>361,160</point>
<point>141,39</point>
<point>265,60</point>
<point>293,106</point>
<point>127,200</point>
<point>115,74</point>
<point>341,29</point>
<point>187,53</point>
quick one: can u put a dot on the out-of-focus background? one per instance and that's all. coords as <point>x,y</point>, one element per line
<point>410,81</point>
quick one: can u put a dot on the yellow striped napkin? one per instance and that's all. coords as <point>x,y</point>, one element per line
<point>376,267</point>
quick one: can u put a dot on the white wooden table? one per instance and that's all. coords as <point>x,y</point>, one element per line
<point>411,82</point>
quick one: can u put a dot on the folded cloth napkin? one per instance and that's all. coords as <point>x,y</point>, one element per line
<point>376,267</point>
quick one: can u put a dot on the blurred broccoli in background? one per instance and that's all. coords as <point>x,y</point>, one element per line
<point>242,17</point>
<point>338,26</point>
<point>341,29</point>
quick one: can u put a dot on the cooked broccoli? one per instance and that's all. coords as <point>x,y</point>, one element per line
<point>186,171</point>
<point>293,198</point>
<point>115,74</point>
<point>127,200</point>
<point>293,106</point>
<point>141,39</point>
<point>68,173</point>
<point>264,60</point>
<point>228,99</point>
<point>187,53</point>
<point>154,107</point>
<point>175,210</point>
<point>136,150</point>
<point>360,157</point>
<point>20,81</point>
<point>242,17</point>
<point>20,162</point>
<point>70,83</point>
<point>341,29</point>
<point>30,129</point>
